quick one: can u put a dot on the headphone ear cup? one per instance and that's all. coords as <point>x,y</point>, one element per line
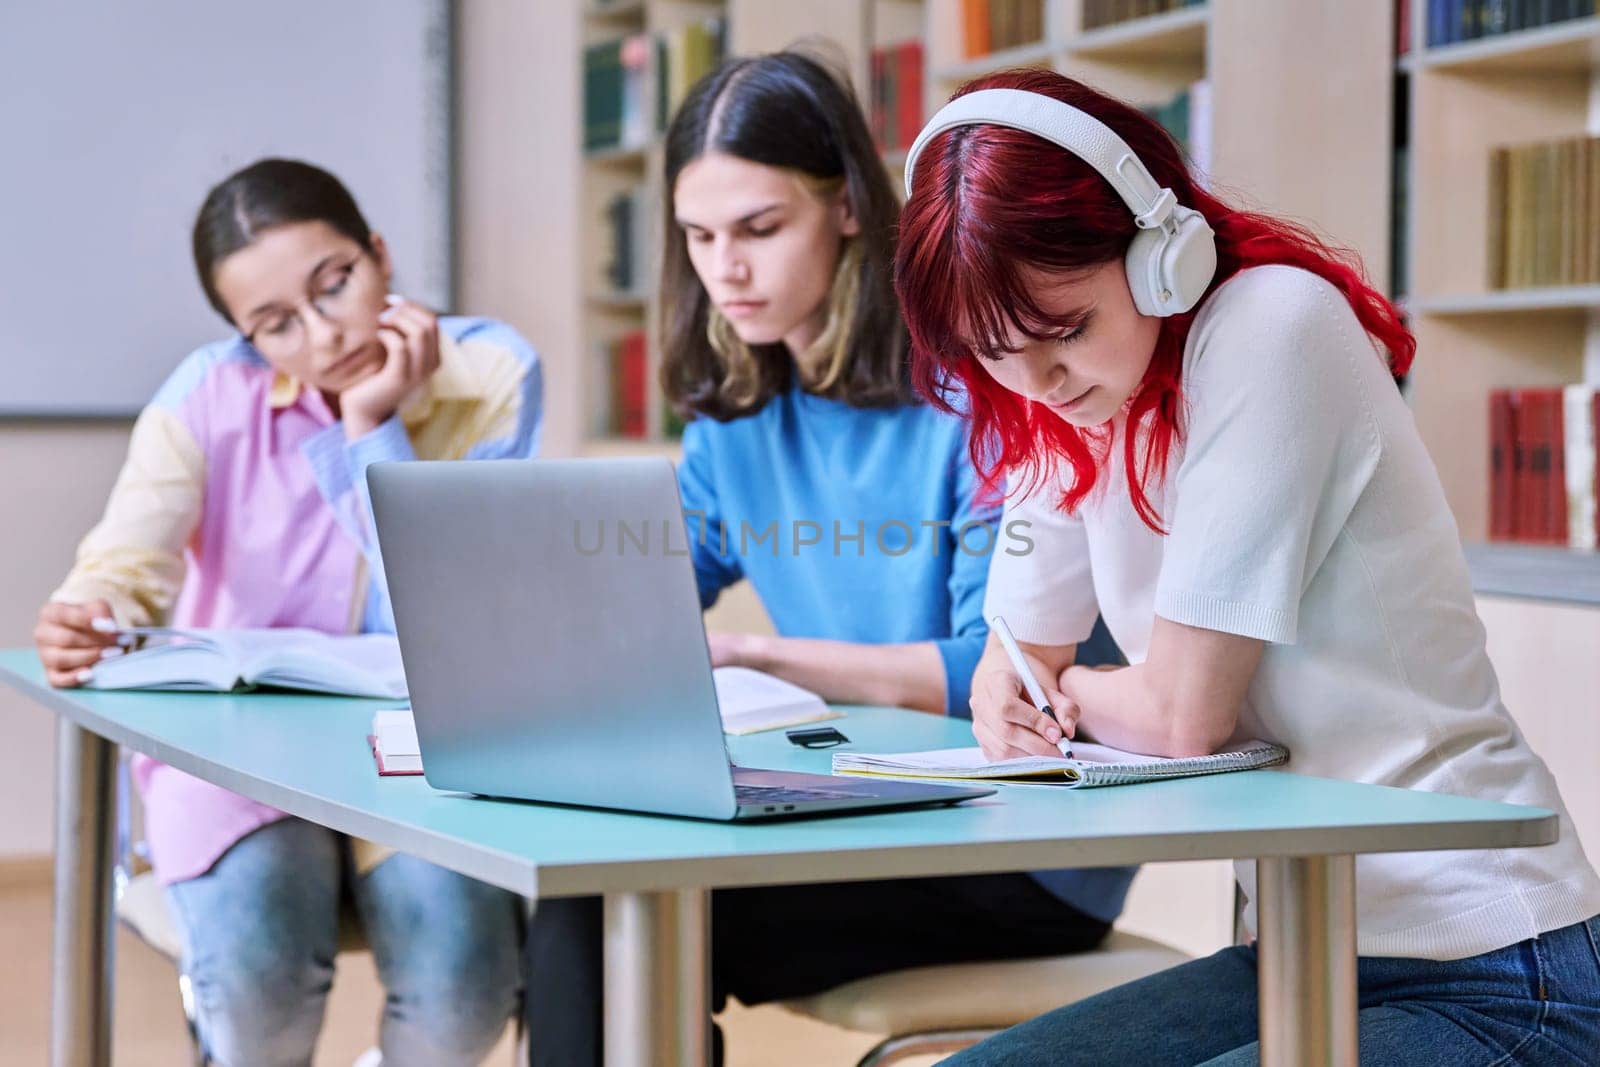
<point>1143,265</point>
<point>1188,263</point>
<point>1168,272</point>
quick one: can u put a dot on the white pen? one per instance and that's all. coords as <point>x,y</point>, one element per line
<point>1029,682</point>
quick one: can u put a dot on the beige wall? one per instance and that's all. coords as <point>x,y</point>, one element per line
<point>54,478</point>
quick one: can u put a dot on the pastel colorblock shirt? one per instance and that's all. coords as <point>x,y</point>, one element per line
<point>241,504</point>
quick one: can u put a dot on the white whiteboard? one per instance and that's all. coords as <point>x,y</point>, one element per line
<point>117,117</point>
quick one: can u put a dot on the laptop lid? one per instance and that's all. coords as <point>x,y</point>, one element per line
<point>551,632</point>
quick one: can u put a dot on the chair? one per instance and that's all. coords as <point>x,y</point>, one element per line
<point>943,1009</point>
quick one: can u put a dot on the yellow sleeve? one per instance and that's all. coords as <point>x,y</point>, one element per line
<point>133,558</point>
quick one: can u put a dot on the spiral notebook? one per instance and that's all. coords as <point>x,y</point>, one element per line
<point>1090,765</point>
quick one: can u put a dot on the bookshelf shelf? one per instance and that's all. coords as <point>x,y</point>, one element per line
<point>619,301</point>
<point>1173,36</point>
<point>1039,53</point>
<point>1535,572</point>
<point>1562,48</point>
<point>621,155</point>
<point>618,9</point>
<point>1510,301</point>
<point>633,447</point>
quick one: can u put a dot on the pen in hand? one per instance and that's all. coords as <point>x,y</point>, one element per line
<point>1029,682</point>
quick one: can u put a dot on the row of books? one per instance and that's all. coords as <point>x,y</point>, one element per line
<point>1452,21</point>
<point>632,85</point>
<point>622,390</point>
<point>896,111</point>
<point>1542,465</point>
<point>1544,214</point>
<point>622,399</point>
<point>1187,116</point>
<point>1097,13</point>
<point>995,25</point>
<point>630,230</point>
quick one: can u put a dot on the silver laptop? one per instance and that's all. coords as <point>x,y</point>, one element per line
<point>553,644</point>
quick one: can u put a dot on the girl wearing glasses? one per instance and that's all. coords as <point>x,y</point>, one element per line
<point>242,504</point>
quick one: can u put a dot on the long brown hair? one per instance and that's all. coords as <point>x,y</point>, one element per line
<point>784,110</point>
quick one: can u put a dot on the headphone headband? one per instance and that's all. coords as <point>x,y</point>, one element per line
<point>1172,258</point>
<point>1062,124</point>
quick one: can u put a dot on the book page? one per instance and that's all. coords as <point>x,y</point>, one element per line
<point>752,700</point>
<point>355,665</point>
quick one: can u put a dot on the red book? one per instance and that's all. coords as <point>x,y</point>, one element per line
<point>1556,492</point>
<point>384,770</point>
<point>1538,425</point>
<point>1402,30</point>
<point>633,412</point>
<point>1522,444</point>
<point>908,79</point>
<point>1502,487</point>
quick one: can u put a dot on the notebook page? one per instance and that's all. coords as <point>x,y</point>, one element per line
<point>1091,765</point>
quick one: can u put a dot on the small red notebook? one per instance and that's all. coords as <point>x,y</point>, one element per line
<point>383,768</point>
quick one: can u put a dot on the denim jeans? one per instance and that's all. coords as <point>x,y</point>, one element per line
<point>1533,1003</point>
<point>260,931</point>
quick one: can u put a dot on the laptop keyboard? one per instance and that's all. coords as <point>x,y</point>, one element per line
<point>783,794</point>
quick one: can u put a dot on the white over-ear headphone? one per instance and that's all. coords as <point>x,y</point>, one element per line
<point>1173,256</point>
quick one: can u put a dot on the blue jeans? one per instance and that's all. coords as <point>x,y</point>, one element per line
<point>260,931</point>
<point>1535,1002</point>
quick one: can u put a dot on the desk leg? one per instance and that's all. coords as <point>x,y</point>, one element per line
<point>80,985</point>
<point>658,978</point>
<point>1306,918</point>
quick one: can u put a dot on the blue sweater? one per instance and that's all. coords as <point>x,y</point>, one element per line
<point>846,521</point>
<point>822,507</point>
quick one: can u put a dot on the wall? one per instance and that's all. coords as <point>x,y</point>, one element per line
<point>54,477</point>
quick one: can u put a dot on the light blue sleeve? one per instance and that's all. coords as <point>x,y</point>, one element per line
<point>714,569</point>
<point>974,530</point>
<point>342,466</point>
<point>522,442</point>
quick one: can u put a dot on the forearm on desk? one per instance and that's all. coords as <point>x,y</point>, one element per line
<point>843,672</point>
<point>1183,700</point>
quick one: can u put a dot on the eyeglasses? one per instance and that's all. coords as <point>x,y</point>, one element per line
<point>282,332</point>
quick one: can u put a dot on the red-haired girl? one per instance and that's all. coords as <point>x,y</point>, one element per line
<point>1193,405</point>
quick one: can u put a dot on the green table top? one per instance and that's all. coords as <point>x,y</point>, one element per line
<point>308,755</point>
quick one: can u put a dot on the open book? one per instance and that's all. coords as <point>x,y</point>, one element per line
<point>751,701</point>
<point>1090,765</point>
<point>364,665</point>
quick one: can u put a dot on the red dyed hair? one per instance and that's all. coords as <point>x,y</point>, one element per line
<point>988,203</point>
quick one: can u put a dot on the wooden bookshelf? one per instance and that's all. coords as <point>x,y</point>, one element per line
<point>1233,45</point>
<point>1510,301</point>
<point>1564,47</point>
<point>1175,35</point>
<point>1467,99</point>
<point>1037,54</point>
<point>1538,603</point>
